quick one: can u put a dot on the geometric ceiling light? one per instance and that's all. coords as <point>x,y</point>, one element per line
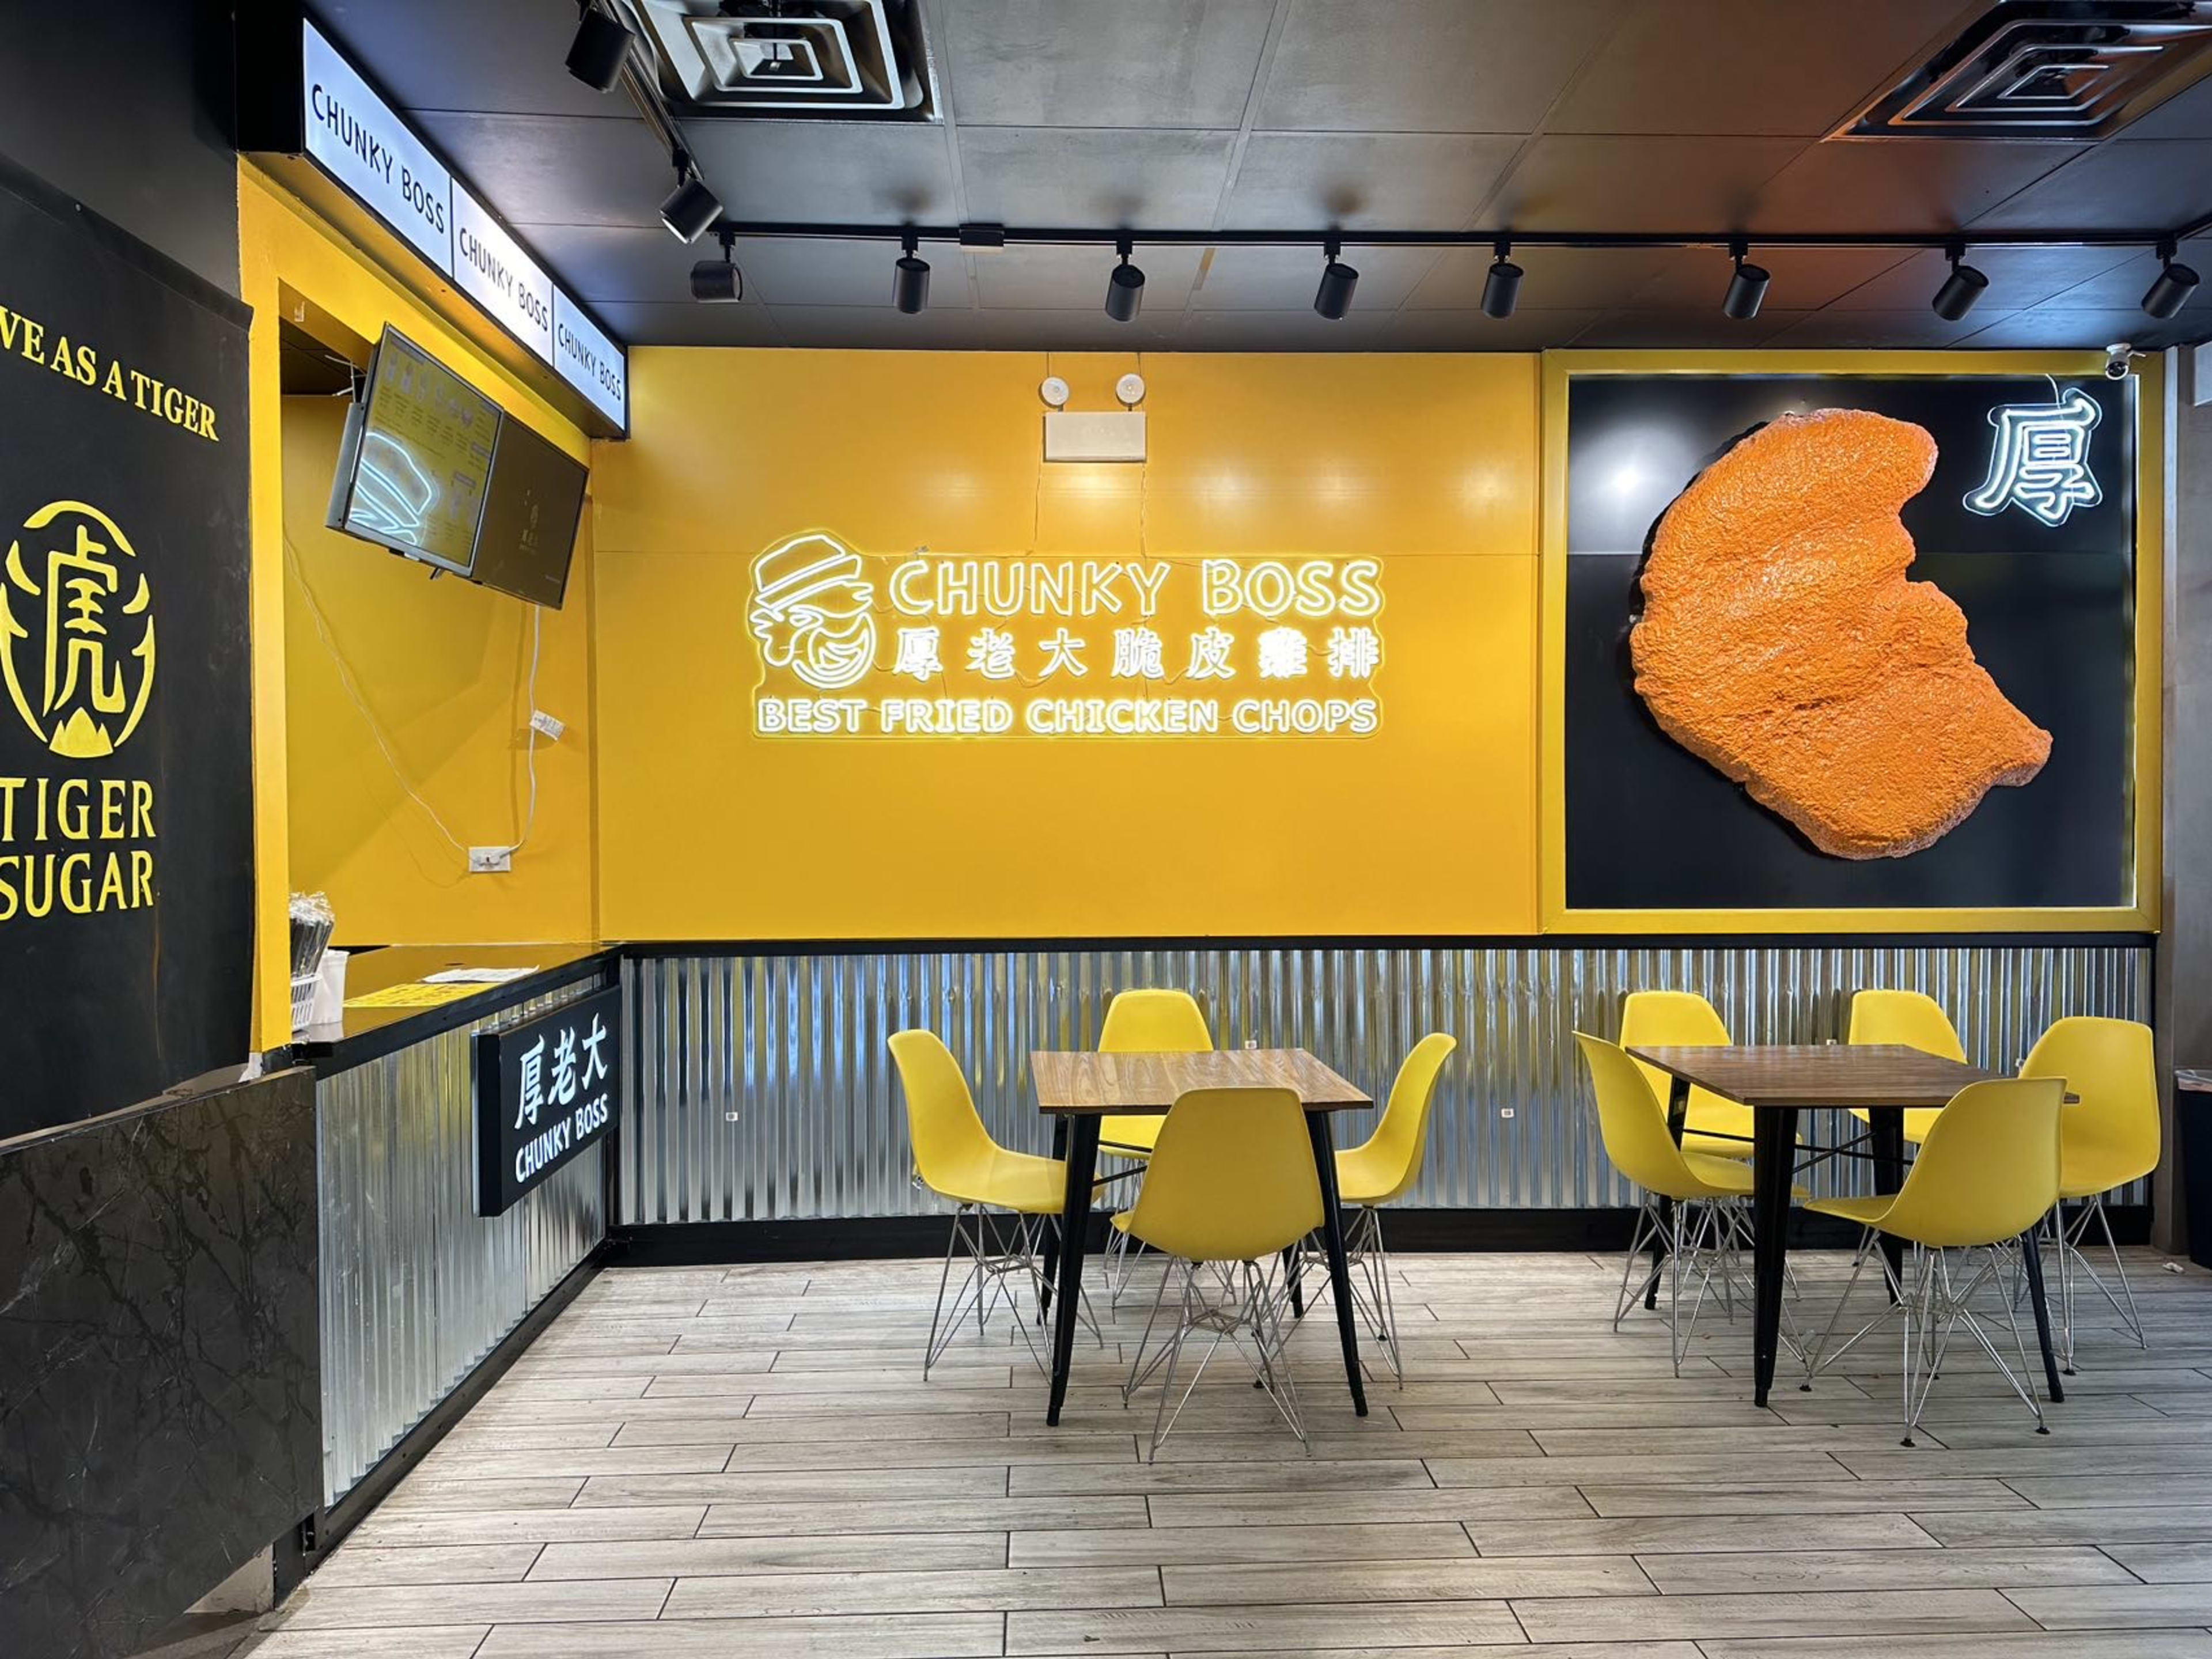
<point>1333,297</point>
<point>1747,285</point>
<point>1960,289</point>
<point>2174,283</point>
<point>1125,285</point>
<point>690,206</point>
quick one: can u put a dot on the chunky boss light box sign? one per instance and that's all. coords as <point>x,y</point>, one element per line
<point>928,645</point>
<point>546,1089</point>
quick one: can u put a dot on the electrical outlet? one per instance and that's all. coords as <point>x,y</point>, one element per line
<point>546,727</point>
<point>490,860</point>
<point>1505,1111</point>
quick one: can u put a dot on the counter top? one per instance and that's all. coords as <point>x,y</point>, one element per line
<point>367,1034</point>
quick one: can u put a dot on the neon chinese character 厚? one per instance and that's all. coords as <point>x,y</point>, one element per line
<point>533,1083</point>
<point>917,653</point>
<point>2039,461</point>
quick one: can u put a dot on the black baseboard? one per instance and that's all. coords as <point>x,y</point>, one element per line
<point>713,1243</point>
<point>333,1523</point>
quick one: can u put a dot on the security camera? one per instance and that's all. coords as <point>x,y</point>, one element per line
<point>2118,356</point>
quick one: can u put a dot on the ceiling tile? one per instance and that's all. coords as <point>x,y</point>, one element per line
<point>841,273</point>
<point>1865,330</point>
<point>503,56</point>
<point>1805,279</point>
<point>1473,330</point>
<point>2148,185</point>
<point>2018,277</point>
<point>2045,326</point>
<point>1556,279</point>
<point>1394,180</point>
<point>1070,278</point>
<point>881,328</point>
<point>557,170</point>
<point>1078,63</point>
<point>1298,330</point>
<point>850,172</point>
<point>1639,330</point>
<point>1912,185</point>
<point>684,322</point>
<point>1092,176</point>
<point>1426,65</point>
<point>2186,114</point>
<point>624,261</point>
<point>1573,183</point>
<point>1715,66</point>
<point>1284,278</point>
<point>1155,328</point>
<point>2126,277</point>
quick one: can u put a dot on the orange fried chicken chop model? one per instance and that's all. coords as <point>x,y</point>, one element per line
<point>1781,641</point>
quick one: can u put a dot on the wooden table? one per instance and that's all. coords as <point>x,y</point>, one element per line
<point>1076,1090</point>
<point>1778,1082</point>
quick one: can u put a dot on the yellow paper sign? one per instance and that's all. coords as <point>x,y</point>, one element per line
<point>414,994</point>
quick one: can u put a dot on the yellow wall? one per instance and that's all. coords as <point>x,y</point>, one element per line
<point>1430,463</point>
<point>348,826</point>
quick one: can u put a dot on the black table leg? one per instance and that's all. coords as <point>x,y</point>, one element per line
<point>1291,1276</point>
<point>1678,1115</point>
<point>1074,1234</point>
<point>1339,1267</point>
<point>1052,1234</point>
<point>2030,1245</point>
<point>1774,1156</point>
<point>1885,1128</point>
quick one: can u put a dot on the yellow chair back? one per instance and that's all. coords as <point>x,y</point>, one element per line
<point>1231,1178</point>
<point>1400,1140</point>
<point>1909,1017</point>
<point>953,1152</point>
<point>1154,1023</point>
<point>2111,1132</point>
<point>1632,1123</point>
<point>1670,1019</point>
<point>1988,1171</point>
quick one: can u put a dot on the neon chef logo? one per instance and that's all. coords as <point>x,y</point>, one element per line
<point>811,611</point>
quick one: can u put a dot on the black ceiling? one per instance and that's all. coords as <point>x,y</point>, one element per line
<point>1543,115</point>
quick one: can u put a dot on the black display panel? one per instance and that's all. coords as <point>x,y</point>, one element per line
<point>529,515</point>
<point>2043,565</point>
<point>127,844</point>
<point>416,458</point>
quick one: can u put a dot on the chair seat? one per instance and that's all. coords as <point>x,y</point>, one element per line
<point>1130,1134</point>
<point>1917,1120</point>
<point>1016,1180</point>
<point>1716,1177</point>
<point>1866,1211</point>
<point>1365,1177</point>
<point>2086,1171</point>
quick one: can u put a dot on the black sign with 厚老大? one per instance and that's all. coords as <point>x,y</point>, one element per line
<point>546,1089</point>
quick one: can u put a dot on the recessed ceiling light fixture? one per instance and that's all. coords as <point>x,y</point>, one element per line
<point>1333,297</point>
<point>718,282</point>
<point>1960,288</point>
<point>1501,286</point>
<point>691,208</point>
<point>910,278</point>
<point>601,49</point>
<point>1125,285</point>
<point>1747,284</point>
<point>2173,285</point>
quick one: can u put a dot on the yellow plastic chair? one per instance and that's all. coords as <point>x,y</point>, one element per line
<point>1688,1229</point>
<point>1379,1171</point>
<point>1231,1183</point>
<point>1003,1199</point>
<point>1987,1173</point>
<point>1147,1023</point>
<point>2109,1137</point>
<point>1683,1019</point>
<point>1909,1019</point>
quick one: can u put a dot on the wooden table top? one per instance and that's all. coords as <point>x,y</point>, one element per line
<point>1091,1085</point>
<point>1819,1075</point>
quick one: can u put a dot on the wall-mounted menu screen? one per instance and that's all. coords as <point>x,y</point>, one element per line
<point>417,459</point>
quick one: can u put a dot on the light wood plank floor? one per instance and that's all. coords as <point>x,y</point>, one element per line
<point>746,1461</point>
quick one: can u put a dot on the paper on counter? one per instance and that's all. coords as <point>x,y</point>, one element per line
<point>477,975</point>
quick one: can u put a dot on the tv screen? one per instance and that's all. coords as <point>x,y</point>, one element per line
<point>431,468</point>
<point>532,506</point>
<point>418,457</point>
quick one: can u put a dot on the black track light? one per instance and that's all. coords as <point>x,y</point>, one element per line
<point>910,279</point>
<point>691,208</point>
<point>1747,285</point>
<point>2173,286</point>
<point>1124,286</point>
<point>1501,288</point>
<point>600,50</point>
<point>1960,288</point>
<point>1333,297</point>
<point>718,282</point>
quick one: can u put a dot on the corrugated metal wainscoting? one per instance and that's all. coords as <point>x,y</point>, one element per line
<point>417,1287</point>
<point>763,1090</point>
